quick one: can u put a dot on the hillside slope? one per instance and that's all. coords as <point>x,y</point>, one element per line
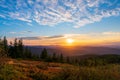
<point>38,70</point>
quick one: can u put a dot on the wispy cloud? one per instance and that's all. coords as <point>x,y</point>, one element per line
<point>2,16</point>
<point>111,33</point>
<point>51,12</point>
<point>43,37</point>
<point>30,38</point>
<point>22,32</point>
<point>12,32</point>
<point>20,16</point>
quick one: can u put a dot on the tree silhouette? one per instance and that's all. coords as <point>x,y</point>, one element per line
<point>16,48</point>
<point>54,57</point>
<point>5,45</point>
<point>27,53</point>
<point>1,48</point>
<point>44,54</point>
<point>20,48</point>
<point>11,50</point>
<point>61,57</point>
<point>68,59</point>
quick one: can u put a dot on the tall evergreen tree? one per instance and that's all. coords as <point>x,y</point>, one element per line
<point>16,48</point>
<point>5,45</point>
<point>27,53</point>
<point>44,54</point>
<point>61,58</point>
<point>1,48</point>
<point>20,48</point>
<point>54,57</point>
<point>68,60</point>
<point>11,52</point>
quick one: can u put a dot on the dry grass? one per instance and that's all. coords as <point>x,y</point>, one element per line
<point>38,70</point>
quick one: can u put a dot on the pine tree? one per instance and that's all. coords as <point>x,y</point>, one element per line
<point>61,57</point>
<point>20,48</point>
<point>68,60</point>
<point>3,54</point>
<point>27,53</point>
<point>44,54</point>
<point>11,52</point>
<point>1,48</point>
<point>16,48</point>
<point>5,45</point>
<point>54,57</point>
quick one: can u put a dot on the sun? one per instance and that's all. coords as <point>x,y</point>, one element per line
<point>69,41</point>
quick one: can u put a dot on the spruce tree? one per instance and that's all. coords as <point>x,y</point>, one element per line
<point>27,53</point>
<point>44,54</point>
<point>5,45</point>
<point>1,48</point>
<point>20,48</point>
<point>54,57</point>
<point>11,50</point>
<point>61,57</point>
<point>16,48</point>
<point>68,60</point>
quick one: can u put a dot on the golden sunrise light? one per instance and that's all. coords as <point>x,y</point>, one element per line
<point>69,41</point>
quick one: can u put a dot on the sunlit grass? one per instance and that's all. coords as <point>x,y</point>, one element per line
<point>38,70</point>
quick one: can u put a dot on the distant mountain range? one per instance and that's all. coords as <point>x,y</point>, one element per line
<point>76,51</point>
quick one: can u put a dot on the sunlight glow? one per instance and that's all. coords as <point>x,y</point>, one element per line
<point>69,41</point>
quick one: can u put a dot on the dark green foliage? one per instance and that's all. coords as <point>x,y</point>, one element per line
<point>27,53</point>
<point>17,50</point>
<point>49,58</point>
<point>3,48</point>
<point>20,48</point>
<point>11,52</point>
<point>61,58</point>
<point>54,57</point>
<point>44,54</point>
<point>5,45</point>
<point>67,59</point>
<point>100,60</point>
<point>16,55</point>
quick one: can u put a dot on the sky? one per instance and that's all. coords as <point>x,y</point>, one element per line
<point>52,22</point>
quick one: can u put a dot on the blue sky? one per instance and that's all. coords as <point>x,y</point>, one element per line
<point>41,18</point>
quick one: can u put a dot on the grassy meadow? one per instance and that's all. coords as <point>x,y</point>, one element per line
<point>14,69</point>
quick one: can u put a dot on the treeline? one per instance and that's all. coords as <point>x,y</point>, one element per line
<point>94,60</point>
<point>51,58</point>
<point>15,49</point>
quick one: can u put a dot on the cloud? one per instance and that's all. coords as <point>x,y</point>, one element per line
<point>43,37</point>
<point>111,33</point>
<point>12,32</point>
<point>22,32</point>
<point>52,12</point>
<point>18,16</point>
<point>54,37</point>
<point>2,16</point>
<point>29,24</point>
<point>30,38</point>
